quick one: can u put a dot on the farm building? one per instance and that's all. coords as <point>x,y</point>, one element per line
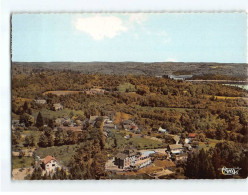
<point>161,130</point>
<point>49,164</point>
<point>58,106</point>
<point>175,148</point>
<point>40,101</point>
<point>126,158</point>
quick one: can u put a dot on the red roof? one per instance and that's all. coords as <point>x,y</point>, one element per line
<point>192,135</point>
<point>48,159</point>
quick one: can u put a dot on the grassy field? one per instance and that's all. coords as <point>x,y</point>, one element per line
<point>62,153</point>
<point>126,87</point>
<point>211,144</point>
<point>148,108</point>
<point>56,114</point>
<point>62,92</point>
<point>226,97</point>
<point>138,142</point>
<point>22,162</point>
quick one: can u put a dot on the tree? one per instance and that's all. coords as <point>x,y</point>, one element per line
<point>39,120</point>
<point>27,119</point>
<point>43,141</point>
<point>29,140</point>
<point>51,123</point>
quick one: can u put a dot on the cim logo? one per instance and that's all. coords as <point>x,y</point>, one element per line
<point>230,171</point>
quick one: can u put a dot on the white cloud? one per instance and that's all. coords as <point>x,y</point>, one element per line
<point>100,27</point>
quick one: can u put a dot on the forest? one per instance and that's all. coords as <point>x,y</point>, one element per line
<point>211,110</point>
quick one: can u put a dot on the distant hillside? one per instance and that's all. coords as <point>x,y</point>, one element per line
<point>137,68</point>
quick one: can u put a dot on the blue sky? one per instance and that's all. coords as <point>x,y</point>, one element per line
<point>144,37</point>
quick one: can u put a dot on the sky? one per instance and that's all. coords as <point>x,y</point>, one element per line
<point>142,37</point>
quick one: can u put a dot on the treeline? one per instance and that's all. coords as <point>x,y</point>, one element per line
<point>33,85</point>
<point>208,164</point>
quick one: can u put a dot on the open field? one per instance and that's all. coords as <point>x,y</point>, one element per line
<point>211,144</point>
<point>226,97</point>
<point>62,153</point>
<point>22,162</point>
<point>62,92</point>
<point>138,142</point>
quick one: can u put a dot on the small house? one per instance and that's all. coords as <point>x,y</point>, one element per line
<point>192,135</point>
<point>127,122</point>
<point>40,101</point>
<point>126,158</point>
<point>109,126</point>
<point>49,164</point>
<point>175,148</point>
<point>161,130</point>
<point>58,106</point>
<point>187,146</point>
<point>181,157</point>
<point>93,120</point>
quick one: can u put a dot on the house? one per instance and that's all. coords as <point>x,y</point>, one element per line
<point>126,127</point>
<point>186,140</point>
<point>181,157</point>
<point>134,128</point>
<point>187,146</point>
<point>109,126</point>
<point>127,122</point>
<point>175,148</point>
<point>192,135</point>
<point>161,130</point>
<point>127,136</point>
<point>143,162</point>
<point>146,154</point>
<point>176,138</point>
<point>108,121</point>
<point>126,158</point>
<point>40,101</point>
<point>93,120</point>
<point>49,164</point>
<point>59,121</point>
<point>58,106</point>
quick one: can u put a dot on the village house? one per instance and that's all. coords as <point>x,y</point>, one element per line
<point>146,154</point>
<point>126,127</point>
<point>126,158</point>
<point>161,130</point>
<point>175,148</point>
<point>181,157</point>
<point>40,101</point>
<point>143,162</point>
<point>58,106</point>
<point>186,140</point>
<point>49,164</point>
<point>109,127</point>
<point>127,122</point>
<point>192,136</point>
<point>187,146</point>
<point>131,158</point>
<point>93,119</point>
<point>59,121</point>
